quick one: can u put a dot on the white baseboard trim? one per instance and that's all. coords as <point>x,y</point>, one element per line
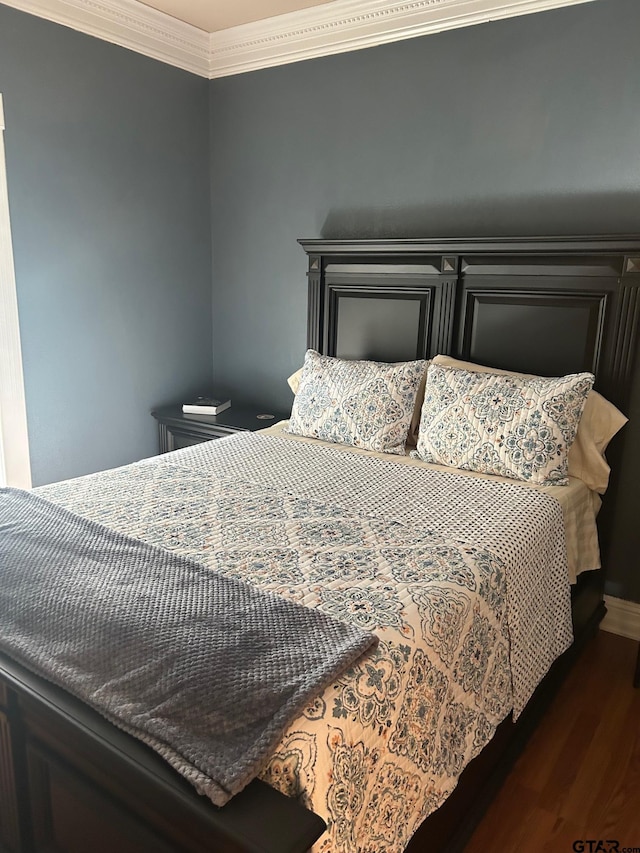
<point>623,617</point>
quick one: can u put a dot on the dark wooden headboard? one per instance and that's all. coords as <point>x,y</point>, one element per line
<point>548,306</point>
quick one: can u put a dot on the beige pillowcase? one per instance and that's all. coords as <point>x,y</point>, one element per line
<point>294,380</point>
<point>412,438</point>
<point>599,423</point>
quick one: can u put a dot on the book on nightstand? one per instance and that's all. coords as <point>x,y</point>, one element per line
<point>205,406</point>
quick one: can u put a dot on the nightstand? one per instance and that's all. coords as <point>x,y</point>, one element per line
<point>177,430</point>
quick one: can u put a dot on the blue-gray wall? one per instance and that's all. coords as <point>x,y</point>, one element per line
<point>525,126</point>
<point>108,172</point>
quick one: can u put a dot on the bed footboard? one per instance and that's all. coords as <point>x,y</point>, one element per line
<point>70,781</point>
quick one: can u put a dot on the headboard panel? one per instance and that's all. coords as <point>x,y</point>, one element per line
<point>381,323</point>
<point>542,315</point>
<point>549,306</point>
<point>509,328</point>
<point>381,307</point>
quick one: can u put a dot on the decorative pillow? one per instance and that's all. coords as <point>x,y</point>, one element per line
<point>367,404</point>
<point>412,438</point>
<point>499,424</point>
<point>600,421</point>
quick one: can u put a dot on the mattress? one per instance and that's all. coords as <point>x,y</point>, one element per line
<point>464,579</point>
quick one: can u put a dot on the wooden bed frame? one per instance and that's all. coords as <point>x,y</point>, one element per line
<point>71,782</point>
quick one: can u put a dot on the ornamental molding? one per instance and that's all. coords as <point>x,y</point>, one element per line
<point>336,27</point>
<point>346,25</point>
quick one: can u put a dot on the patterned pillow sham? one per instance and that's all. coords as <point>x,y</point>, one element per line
<point>366,404</point>
<point>600,421</point>
<point>412,438</point>
<point>516,427</point>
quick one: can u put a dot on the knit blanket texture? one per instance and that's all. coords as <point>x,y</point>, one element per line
<point>205,669</point>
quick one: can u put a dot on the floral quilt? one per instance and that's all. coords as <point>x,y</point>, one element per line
<point>464,581</point>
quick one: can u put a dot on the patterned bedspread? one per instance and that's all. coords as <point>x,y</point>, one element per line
<point>463,580</point>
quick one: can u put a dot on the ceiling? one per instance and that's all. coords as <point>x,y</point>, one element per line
<point>215,15</point>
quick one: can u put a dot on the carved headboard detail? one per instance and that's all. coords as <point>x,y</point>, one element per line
<point>549,306</point>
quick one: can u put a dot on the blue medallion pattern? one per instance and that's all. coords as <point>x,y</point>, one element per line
<point>443,615</point>
<point>414,734</point>
<point>471,666</point>
<point>453,734</point>
<point>366,404</point>
<point>514,426</point>
<point>369,692</point>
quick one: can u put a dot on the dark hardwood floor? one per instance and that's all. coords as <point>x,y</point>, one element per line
<point>579,776</point>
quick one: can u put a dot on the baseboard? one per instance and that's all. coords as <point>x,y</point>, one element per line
<point>623,617</point>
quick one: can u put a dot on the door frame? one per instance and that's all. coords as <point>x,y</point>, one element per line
<point>15,466</point>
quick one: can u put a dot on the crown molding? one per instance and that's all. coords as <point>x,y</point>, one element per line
<point>336,27</point>
<point>346,25</point>
<point>130,24</point>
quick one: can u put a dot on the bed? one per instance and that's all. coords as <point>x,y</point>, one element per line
<point>69,775</point>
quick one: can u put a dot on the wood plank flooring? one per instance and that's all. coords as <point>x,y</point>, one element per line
<point>579,776</point>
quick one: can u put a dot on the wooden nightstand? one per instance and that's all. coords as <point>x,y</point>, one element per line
<point>177,430</point>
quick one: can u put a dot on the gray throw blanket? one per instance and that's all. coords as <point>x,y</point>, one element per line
<point>205,669</point>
